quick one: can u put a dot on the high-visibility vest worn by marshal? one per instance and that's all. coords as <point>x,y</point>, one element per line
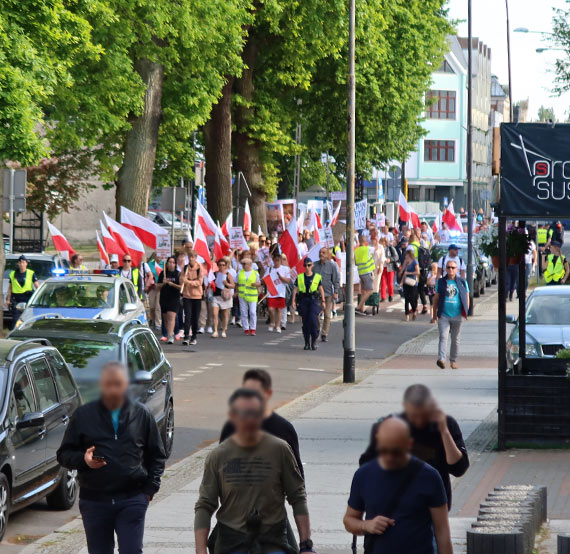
<point>77,270</point>
<point>314,285</point>
<point>364,260</point>
<point>541,236</point>
<point>247,289</point>
<point>554,272</point>
<point>135,279</point>
<point>28,283</point>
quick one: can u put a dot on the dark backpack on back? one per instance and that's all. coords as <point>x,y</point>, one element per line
<point>424,258</point>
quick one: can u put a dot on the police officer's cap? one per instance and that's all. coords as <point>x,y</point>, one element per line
<point>307,261</point>
<point>22,258</point>
<point>556,243</point>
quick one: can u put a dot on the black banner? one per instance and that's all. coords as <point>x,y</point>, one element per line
<point>535,170</point>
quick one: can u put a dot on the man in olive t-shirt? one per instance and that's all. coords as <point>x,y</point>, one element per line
<point>249,476</point>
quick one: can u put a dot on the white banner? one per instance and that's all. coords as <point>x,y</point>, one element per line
<point>237,239</point>
<point>360,214</point>
<point>163,247</point>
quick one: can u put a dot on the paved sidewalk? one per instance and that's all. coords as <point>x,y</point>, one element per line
<point>334,423</point>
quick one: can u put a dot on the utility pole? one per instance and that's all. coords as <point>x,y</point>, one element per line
<point>470,154</point>
<point>349,360</point>
<point>511,106</point>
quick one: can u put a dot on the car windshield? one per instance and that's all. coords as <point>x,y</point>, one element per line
<point>545,309</point>
<point>74,295</point>
<point>85,359</point>
<point>42,268</point>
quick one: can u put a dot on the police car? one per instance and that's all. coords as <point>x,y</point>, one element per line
<point>99,296</point>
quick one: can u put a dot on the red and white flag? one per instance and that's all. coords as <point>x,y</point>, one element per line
<point>415,219</point>
<point>60,243</point>
<point>319,225</point>
<point>312,254</point>
<point>145,229</point>
<point>221,245</point>
<point>227,224</point>
<point>204,220</point>
<point>436,223</point>
<point>288,242</point>
<point>201,246</point>
<point>335,215</point>
<point>110,244</point>
<point>103,256</point>
<point>450,219</point>
<point>126,239</point>
<point>247,217</point>
<point>404,209</point>
<point>271,288</point>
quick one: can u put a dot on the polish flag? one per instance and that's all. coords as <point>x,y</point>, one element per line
<point>450,219</point>
<point>436,224</point>
<point>60,242</point>
<point>259,231</point>
<point>247,218</point>
<point>300,221</point>
<point>201,246</point>
<point>227,224</point>
<point>404,209</point>
<point>126,239</point>
<point>102,253</point>
<point>205,221</point>
<point>319,225</point>
<point>110,244</point>
<point>415,219</point>
<point>288,242</point>
<point>221,245</point>
<point>145,229</point>
<point>312,254</point>
<point>335,215</point>
<point>271,288</point>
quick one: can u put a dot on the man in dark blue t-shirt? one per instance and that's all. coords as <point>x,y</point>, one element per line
<point>401,499</point>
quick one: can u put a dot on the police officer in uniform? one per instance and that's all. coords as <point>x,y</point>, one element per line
<point>23,281</point>
<point>311,296</point>
<point>557,269</point>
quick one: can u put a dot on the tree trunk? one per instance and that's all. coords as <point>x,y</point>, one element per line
<point>218,154</point>
<point>246,148</point>
<point>134,179</point>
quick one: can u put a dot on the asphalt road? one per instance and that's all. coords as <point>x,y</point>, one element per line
<point>206,374</point>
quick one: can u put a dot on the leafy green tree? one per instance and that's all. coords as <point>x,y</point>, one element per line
<point>546,114</point>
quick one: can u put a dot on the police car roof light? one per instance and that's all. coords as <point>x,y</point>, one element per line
<point>106,271</point>
<point>58,271</point>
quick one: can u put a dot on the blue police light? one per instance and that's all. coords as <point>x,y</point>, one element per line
<point>106,272</point>
<point>58,271</point>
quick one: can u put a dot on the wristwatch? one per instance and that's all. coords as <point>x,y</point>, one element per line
<point>306,546</point>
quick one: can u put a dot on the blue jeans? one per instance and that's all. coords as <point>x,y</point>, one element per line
<point>101,520</point>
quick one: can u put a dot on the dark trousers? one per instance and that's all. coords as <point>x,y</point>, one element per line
<point>410,299</point>
<point>422,288</point>
<point>101,520</point>
<point>512,279</point>
<point>309,311</point>
<point>192,308</point>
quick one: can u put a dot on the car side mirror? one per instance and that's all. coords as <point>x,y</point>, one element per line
<point>21,306</point>
<point>129,307</point>
<point>31,419</point>
<point>511,319</point>
<point>143,378</point>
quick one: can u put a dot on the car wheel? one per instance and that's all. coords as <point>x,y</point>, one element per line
<point>483,287</point>
<point>168,430</point>
<point>4,504</point>
<point>64,496</point>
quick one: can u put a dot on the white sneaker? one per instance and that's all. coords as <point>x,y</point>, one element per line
<point>209,330</point>
<point>278,329</point>
<point>270,328</point>
<point>224,336</point>
<point>201,331</point>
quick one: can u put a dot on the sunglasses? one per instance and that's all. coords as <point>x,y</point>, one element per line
<point>450,267</point>
<point>127,260</point>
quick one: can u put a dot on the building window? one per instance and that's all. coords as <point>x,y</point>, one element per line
<point>442,106</point>
<point>439,151</point>
<point>414,194</point>
<point>430,195</point>
<point>445,68</point>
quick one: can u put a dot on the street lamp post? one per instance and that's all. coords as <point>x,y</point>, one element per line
<point>349,359</point>
<point>511,107</point>
<point>469,151</point>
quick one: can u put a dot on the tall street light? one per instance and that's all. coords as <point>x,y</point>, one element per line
<point>349,359</point>
<point>511,107</point>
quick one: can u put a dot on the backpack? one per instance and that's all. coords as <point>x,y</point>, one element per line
<point>424,258</point>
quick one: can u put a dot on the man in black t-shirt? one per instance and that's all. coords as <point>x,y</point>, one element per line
<point>260,381</point>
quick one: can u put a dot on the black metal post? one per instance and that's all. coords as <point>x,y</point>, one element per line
<point>470,156</point>
<point>511,106</point>
<point>502,330</point>
<point>522,304</point>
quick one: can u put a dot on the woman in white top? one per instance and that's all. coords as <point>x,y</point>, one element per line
<point>379,255</point>
<point>280,275</point>
<point>223,296</point>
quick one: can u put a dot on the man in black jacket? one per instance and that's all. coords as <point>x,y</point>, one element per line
<point>437,436</point>
<point>115,446</point>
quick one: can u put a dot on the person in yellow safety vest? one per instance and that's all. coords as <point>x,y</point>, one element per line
<point>76,265</point>
<point>557,268</point>
<point>311,294</point>
<point>248,292</point>
<point>23,281</point>
<point>132,273</point>
<point>366,266</point>
<point>542,236</point>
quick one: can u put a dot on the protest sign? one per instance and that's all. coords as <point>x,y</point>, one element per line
<point>360,214</point>
<point>340,196</point>
<point>237,239</point>
<point>274,218</point>
<point>326,237</point>
<point>163,246</point>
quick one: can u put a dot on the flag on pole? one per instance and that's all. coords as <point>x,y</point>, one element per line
<point>288,242</point>
<point>110,244</point>
<point>271,288</point>
<point>205,221</point>
<point>227,224</point>
<point>312,254</point>
<point>145,229</point>
<point>247,218</point>
<point>60,243</point>
<point>201,246</point>
<point>450,219</point>
<point>319,225</point>
<point>415,219</point>
<point>103,256</point>
<point>404,210</point>
<point>334,218</point>
<point>126,239</point>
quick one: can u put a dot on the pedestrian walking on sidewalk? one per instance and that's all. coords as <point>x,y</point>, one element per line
<point>410,275</point>
<point>169,286</point>
<point>276,303</point>
<point>273,423</point>
<point>450,306</point>
<point>115,446</point>
<point>192,293</point>
<point>390,267</point>
<point>397,501</point>
<point>311,297</point>
<point>330,274</point>
<point>248,290</point>
<point>366,267</point>
<point>246,481</point>
<point>223,297</point>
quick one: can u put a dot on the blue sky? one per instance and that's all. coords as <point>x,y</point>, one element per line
<point>532,73</point>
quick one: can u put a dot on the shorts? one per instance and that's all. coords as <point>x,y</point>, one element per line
<point>366,281</point>
<point>276,303</point>
<point>223,304</point>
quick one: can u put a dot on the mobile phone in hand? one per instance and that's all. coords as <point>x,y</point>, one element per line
<point>98,458</point>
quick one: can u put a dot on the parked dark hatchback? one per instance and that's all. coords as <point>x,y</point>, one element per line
<point>87,345</point>
<point>38,395</point>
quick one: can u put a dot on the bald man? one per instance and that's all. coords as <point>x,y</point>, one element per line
<point>115,446</point>
<point>397,501</point>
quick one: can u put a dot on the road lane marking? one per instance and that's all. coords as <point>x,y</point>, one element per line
<point>253,363</point>
<point>214,365</point>
<point>178,378</point>
<point>367,349</point>
<point>310,369</point>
